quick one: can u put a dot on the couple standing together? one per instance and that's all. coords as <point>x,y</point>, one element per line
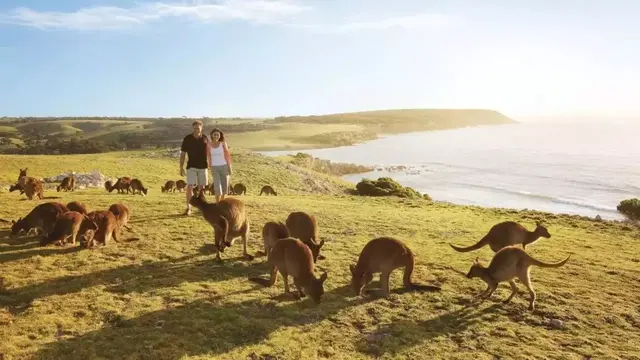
<point>205,153</point>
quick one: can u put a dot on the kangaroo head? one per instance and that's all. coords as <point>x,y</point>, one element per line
<point>476,269</point>
<point>144,190</point>
<point>316,289</point>
<point>23,172</point>
<point>17,226</point>
<point>58,187</point>
<point>314,247</point>
<point>357,280</point>
<point>541,230</point>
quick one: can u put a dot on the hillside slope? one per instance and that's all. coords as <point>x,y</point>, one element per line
<point>161,295</point>
<point>256,134</point>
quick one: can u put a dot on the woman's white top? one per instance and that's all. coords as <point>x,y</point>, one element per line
<point>217,156</point>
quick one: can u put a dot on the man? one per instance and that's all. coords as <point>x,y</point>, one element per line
<point>195,146</point>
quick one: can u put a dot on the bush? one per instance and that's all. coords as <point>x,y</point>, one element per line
<point>630,208</point>
<point>385,186</point>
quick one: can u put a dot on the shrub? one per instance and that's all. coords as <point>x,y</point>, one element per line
<point>630,208</point>
<point>385,186</point>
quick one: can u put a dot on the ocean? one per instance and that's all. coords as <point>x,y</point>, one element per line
<point>571,168</point>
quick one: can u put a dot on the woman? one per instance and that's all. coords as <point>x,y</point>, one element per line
<point>220,163</point>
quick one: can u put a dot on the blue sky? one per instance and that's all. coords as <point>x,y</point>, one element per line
<point>297,57</point>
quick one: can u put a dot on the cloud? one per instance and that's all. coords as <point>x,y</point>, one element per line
<point>410,22</point>
<point>110,17</point>
<point>280,12</point>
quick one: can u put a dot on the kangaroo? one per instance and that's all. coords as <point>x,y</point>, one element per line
<point>272,232</point>
<point>122,214</point>
<point>107,229</point>
<point>69,224</point>
<point>304,227</point>
<point>383,255</point>
<point>508,263</point>
<point>267,190</point>
<point>209,188</point>
<point>136,185</point>
<point>77,206</point>
<point>228,218</point>
<point>181,185</point>
<point>239,189</point>
<point>67,184</point>
<point>291,257</point>
<point>505,234</point>
<point>42,217</point>
<point>33,187</point>
<point>108,185</point>
<point>169,186</point>
<point>122,184</point>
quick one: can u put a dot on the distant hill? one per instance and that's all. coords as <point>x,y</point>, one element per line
<point>35,135</point>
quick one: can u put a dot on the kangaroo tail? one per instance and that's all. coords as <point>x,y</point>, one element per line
<point>475,246</point>
<point>408,271</point>
<point>549,265</point>
<point>273,276</point>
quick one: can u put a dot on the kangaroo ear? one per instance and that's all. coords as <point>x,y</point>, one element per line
<point>323,278</point>
<point>477,260</point>
<point>13,222</point>
<point>352,268</point>
<point>320,243</point>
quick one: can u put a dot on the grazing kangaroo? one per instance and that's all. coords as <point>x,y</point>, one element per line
<point>67,184</point>
<point>508,263</point>
<point>69,224</point>
<point>228,217</point>
<point>239,189</point>
<point>272,232</point>
<point>267,190</point>
<point>122,184</point>
<point>291,257</point>
<point>107,229</point>
<point>505,234</point>
<point>122,214</point>
<point>168,186</point>
<point>77,206</point>
<point>383,255</point>
<point>136,185</point>
<point>42,217</point>
<point>304,227</point>
<point>181,185</point>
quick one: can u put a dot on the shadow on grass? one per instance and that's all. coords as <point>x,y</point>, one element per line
<point>401,335</point>
<point>159,217</point>
<point>198,328</point>
<point>132,278</point>
<point>13,256</point>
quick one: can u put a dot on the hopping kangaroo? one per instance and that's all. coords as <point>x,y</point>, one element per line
<point>67,184</point>
<point>107,228</point>
<point>508,263</point>
<point>69,224</point>
<point>229,220</point>
<point>181,185</point>
<point>272,232</point>
<point>505,234</point>
<point>169,186</point>
<point>267,190</point>
<point>122,214</point>
<point>383,255</point>
<point>42,217</point>
<point>305,227</point>
<point>291,257</point>
<point>77,206</point>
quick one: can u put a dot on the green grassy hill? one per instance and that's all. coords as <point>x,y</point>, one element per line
<point>160,295</point>
<point>294,132</point>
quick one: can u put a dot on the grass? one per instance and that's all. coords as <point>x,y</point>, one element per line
<point>160,294</point>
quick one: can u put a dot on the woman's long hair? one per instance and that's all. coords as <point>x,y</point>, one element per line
<point>221,134</point>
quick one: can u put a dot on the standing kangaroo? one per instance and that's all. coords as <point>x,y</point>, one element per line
<point>383,255</point>
<point>291,257</point>
<point>508,263</point>
<point>228,218</point>
<point>505,234</point>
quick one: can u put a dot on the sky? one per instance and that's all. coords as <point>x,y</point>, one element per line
<point>263,58</point>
